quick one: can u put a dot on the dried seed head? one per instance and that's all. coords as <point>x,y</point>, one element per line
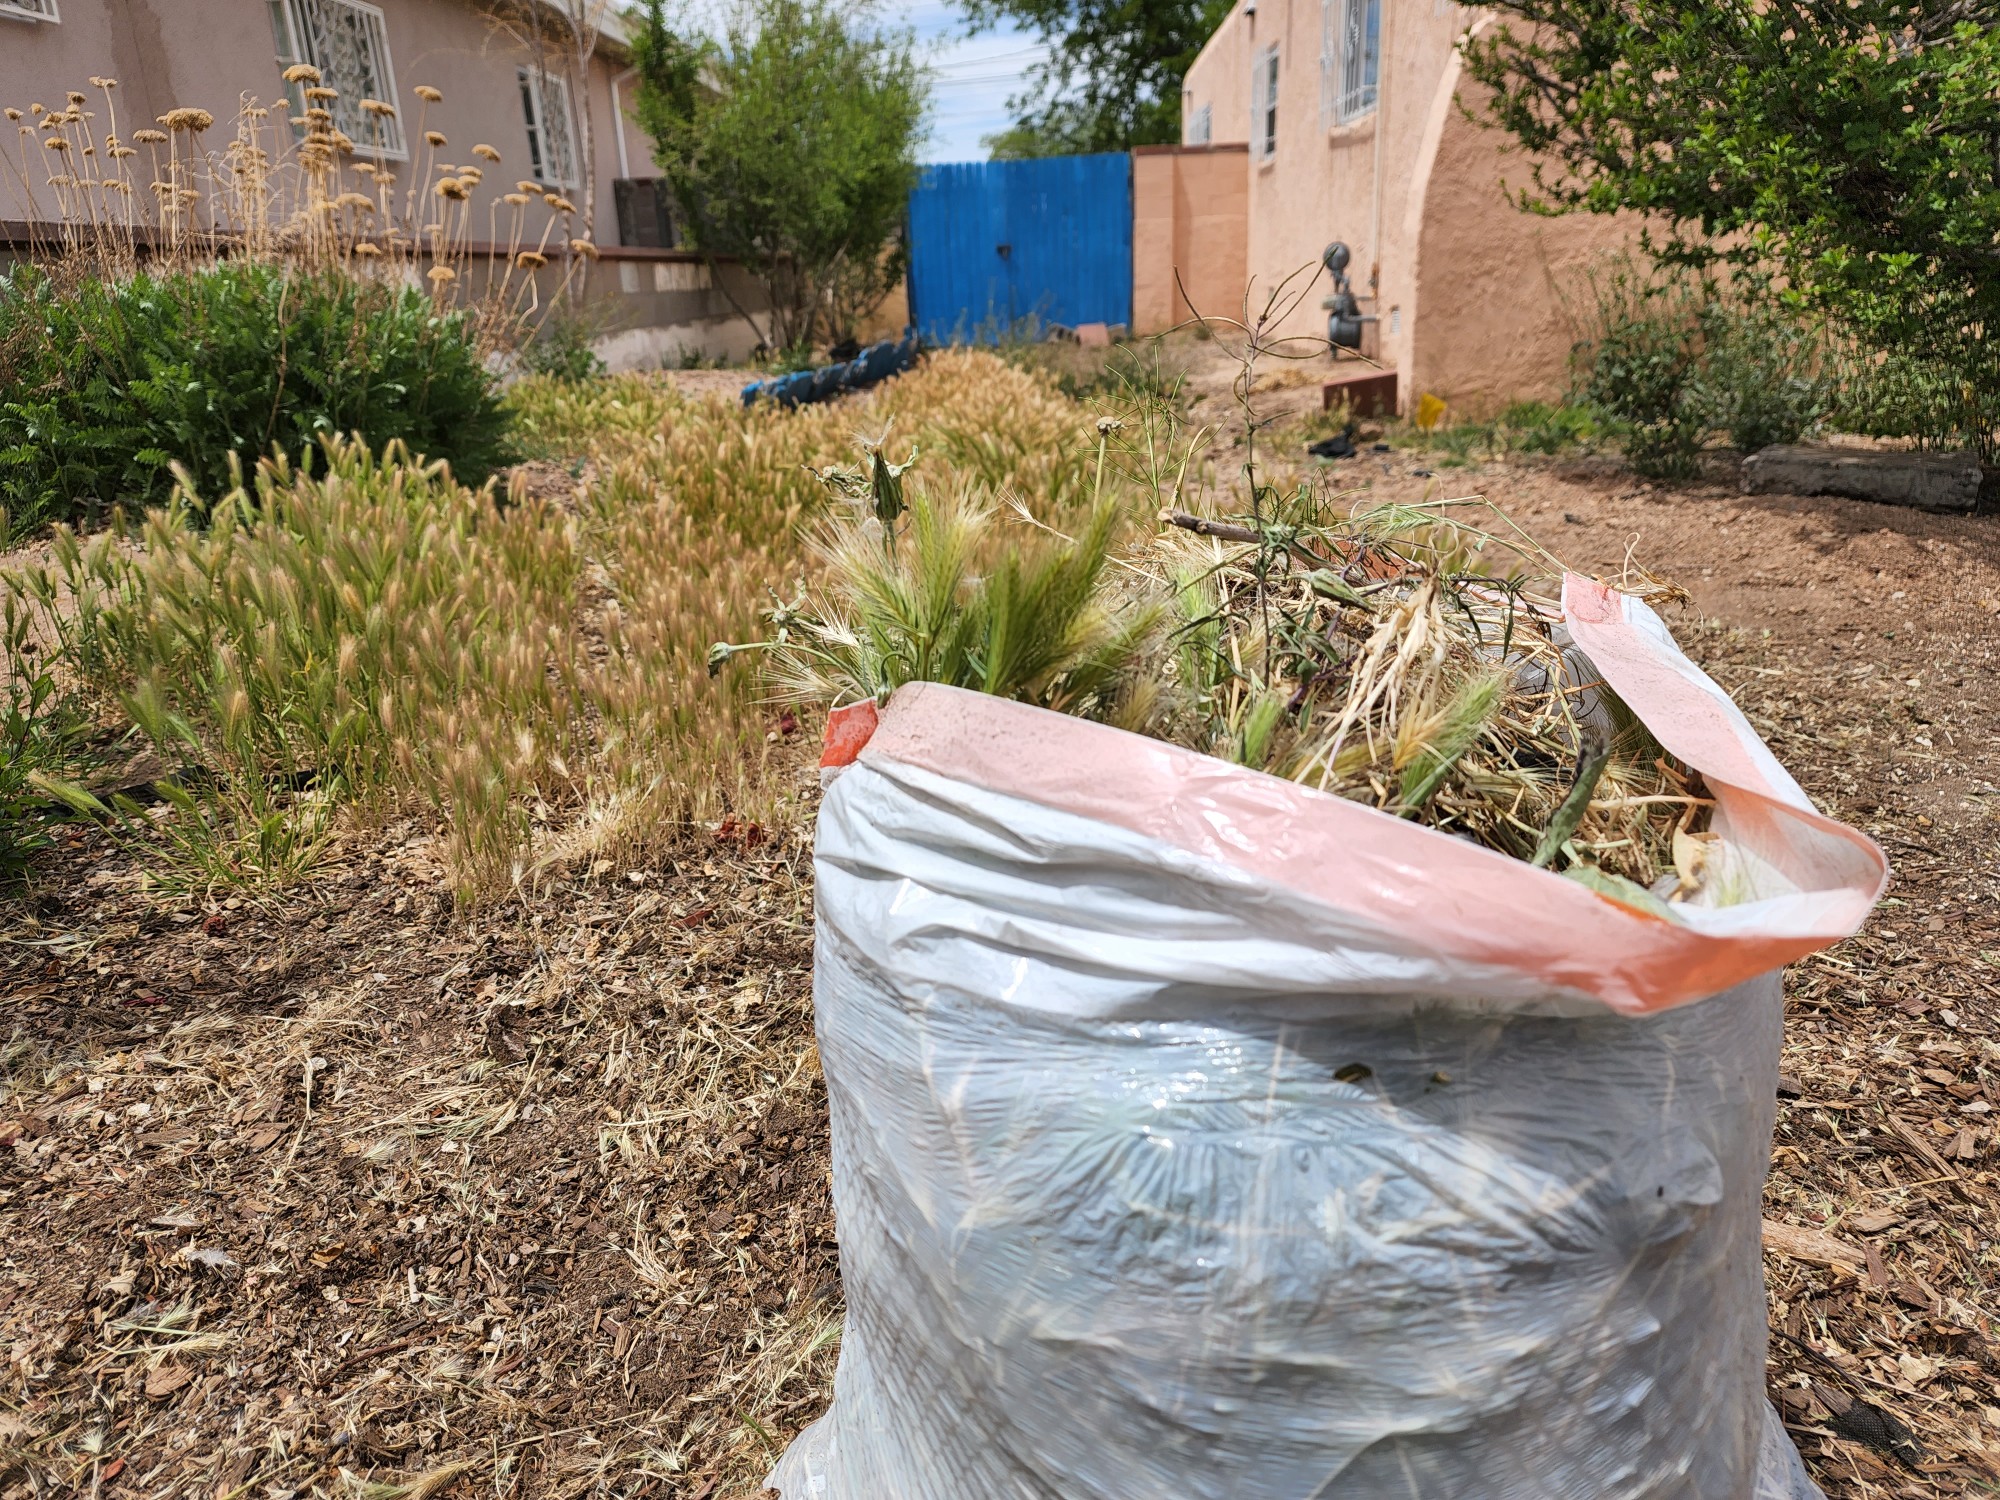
<point>532,260</point>
<point>434,137</point>
<point>119,153</point>
<point>517,199</point>
<point>37,109</point>
<point>193,121</point>
<point>379,108</point>
<point>102,83</point>
<point>364,248</point>
<point>527,187</point>
<point>302,73</point>
<point>360,201</point>
<point>487,152</point>
<point>584,248</point>
<point>453,189</point>
<point>428,94</point>
<point>13,113</point>
<point>56,143</point>
<point>149,137</point>
<point>75,97</point>
<point>442,274</point>
<point>321,95</point>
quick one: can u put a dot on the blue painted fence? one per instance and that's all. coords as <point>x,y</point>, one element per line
<point>994,243</point>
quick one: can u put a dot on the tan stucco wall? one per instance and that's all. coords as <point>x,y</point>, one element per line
<point>1189,207</point>
<point>1500,294</point>
<point>1467,288</point>
<point>212,53</point>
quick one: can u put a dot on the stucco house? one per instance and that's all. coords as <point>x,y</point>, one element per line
<point>1350,111</point>
<point>507,80</point>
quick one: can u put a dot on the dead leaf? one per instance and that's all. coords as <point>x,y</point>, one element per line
<point>1814,1245</point>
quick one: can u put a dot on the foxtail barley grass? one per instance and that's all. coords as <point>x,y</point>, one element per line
<point>368,636</point>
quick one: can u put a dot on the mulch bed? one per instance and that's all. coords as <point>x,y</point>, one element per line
<point>351,1190</point>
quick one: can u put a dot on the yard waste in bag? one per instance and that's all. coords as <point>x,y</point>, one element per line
<point>1200,1134</point>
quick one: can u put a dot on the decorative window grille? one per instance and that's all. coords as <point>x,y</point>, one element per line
<point>1360,57</point>
<point>1201,126</point>
<point>348,41</point>
<point>1264,104</point>
<point>30,10</point>
<point>545,109</point>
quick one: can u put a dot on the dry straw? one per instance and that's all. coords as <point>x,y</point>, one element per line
<point>293,189</point>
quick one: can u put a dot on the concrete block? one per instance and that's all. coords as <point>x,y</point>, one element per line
<point>1371,393</point>
<point>1928,481</point>
<point>1093,335</point>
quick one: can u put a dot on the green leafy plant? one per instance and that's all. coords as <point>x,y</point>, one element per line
<point>1641,364</point>
<point>790,145</point>
<point>1112,75</point>
<point>1846,149</point>
<point>561,349</point>
<point>106,385</point>
<point>920,589</point>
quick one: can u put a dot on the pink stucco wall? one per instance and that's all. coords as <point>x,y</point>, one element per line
<point>1469,291</point>
<point>1188,246</point>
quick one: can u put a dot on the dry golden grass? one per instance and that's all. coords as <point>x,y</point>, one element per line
<point>370,639</point>
<point>318,188</point>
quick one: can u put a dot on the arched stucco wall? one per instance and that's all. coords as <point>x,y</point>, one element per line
<point>1497,291</point>
<point>1470,288</point>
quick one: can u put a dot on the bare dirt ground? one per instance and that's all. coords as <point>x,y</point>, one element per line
<point>351,1194</point>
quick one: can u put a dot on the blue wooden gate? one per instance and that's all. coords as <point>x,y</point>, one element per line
<point>994,243</point>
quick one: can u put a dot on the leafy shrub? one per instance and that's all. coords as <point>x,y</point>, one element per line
<point>561,351</point>
<point>1641,365</point>
<point>1673,359</point>
<point>1765,373</point>
<point>105,385</point>
<point>1909,396</point>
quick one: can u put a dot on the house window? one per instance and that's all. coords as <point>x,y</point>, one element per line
<point>1264,104</point>
<point>30,10</point>
<point>1360,57</point>
<point>1201,126</point>
<point>545,108</point>
<point>348,41</point>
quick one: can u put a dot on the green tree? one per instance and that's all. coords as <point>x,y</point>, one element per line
<point>790,145</point>
<point>1113,77</point>
<point>1851,147</point>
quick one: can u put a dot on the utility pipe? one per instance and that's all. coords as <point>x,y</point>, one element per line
<point>618,121</point>
<point>1382,55</point>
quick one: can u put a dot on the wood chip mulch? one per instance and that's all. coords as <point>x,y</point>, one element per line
<point>349,1194</point>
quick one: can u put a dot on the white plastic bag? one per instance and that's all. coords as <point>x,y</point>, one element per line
<point>1199,1137</point>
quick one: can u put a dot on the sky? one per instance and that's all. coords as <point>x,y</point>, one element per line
<point>972,78</point>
